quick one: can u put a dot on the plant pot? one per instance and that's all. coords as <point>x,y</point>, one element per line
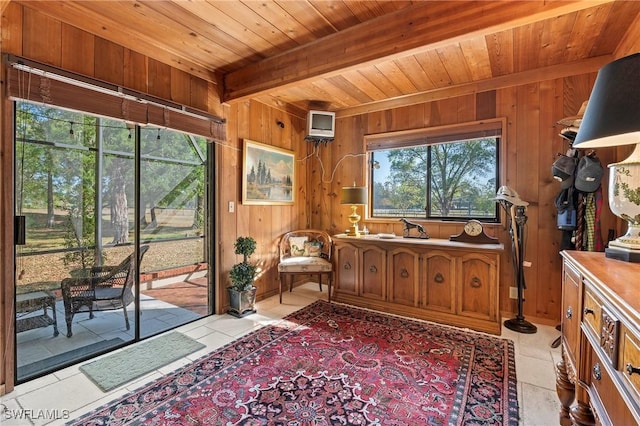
<point>241,303</point>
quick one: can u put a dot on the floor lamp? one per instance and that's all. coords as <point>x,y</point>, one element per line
<point>517,219</point>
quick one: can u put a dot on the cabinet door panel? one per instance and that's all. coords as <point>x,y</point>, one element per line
<point>570,310</point>
<point>439,289</point>
<point>374,273</point>
<point>346,257</point>
<point>477,295</point>
<point>403,273</point>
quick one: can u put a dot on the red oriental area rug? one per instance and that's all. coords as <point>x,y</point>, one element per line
<point>333,364</point>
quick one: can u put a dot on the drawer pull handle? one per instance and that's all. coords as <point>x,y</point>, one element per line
<point>631,369</point>
<point>373,269</point>
<point>347,266</point>
<point>438,278</point>
<point>597,373</point>
<point>404,273</point>
<point>588,311</point>
<point>475,282</point>
<point>569,313</point>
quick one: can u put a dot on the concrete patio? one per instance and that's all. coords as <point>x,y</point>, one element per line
<point>38,350</point>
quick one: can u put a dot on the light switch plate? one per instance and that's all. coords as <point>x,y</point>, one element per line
<point>513,292</point>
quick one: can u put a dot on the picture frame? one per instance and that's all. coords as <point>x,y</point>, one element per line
<point>268,174</point>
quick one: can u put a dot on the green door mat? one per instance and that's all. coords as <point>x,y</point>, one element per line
<point>136,361</point>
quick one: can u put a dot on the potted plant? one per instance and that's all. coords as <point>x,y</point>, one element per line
<point>242,292</point>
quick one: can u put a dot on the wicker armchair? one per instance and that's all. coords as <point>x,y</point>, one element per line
<point>106,288</point>
<point>306,252</point>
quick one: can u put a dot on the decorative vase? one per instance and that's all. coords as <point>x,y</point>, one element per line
<point>624,202</point>
<point>241,303</point>
<point>624,198</point>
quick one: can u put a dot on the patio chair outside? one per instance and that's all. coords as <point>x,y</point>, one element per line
<point>106,288</point>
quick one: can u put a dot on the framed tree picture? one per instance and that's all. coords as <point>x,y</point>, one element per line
<point>268,174</point>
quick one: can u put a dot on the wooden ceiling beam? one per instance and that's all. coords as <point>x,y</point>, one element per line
<point>426,25</point>
<point>510,80</point>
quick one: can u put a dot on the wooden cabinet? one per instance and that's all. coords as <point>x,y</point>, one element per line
<point>437,280</point>
<point>598,378</point>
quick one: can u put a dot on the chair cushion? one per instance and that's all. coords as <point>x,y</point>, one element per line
<point>108,293</point>
<point>297,245</point>
<point>312,248</point>
<point>305,264</point>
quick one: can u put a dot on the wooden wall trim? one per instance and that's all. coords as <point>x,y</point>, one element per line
<point>419,136</point>
<point>7,278</point>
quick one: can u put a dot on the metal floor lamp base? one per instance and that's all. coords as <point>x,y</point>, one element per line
<point>520,325</point>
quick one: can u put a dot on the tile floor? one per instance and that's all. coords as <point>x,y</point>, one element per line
<point>67,394</point>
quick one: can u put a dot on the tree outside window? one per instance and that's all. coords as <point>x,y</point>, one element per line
<point>450,179</point>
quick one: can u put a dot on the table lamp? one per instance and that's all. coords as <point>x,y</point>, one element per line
<point>612,118</point>
<point>354,195</point>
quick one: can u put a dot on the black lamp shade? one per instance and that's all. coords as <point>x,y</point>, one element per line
<point>354,195</point>
<point>612,116</point>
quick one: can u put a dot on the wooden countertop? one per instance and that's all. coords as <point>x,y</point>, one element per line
<point>413,242</point>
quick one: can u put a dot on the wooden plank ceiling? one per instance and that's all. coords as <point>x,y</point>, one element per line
<point>357,56</point>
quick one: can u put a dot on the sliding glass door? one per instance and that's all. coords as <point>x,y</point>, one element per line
<point>172,223</point>
<point>111,242</point>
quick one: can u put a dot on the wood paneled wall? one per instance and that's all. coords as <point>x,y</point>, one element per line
<point>258,122</point>
<point>528,152</point>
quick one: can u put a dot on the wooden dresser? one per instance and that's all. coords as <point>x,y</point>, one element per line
<point>433,279</point>
<point>598,379</point>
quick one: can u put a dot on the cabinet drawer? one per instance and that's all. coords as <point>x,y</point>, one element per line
<point>592,312</point>
<point>608,405</point>
<point>630,362</point>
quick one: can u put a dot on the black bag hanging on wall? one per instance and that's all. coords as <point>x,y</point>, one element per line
<point>566,205</point>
